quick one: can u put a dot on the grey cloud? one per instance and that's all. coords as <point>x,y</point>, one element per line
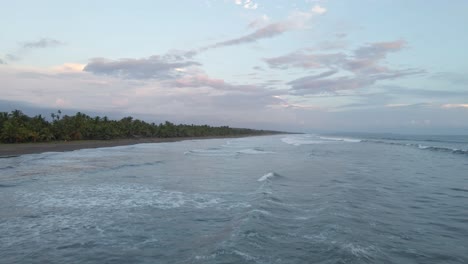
<point>42,43</point>
<point>299,59</point>
<point>319,83</point>
<point>296,20</point>
<point>341,35</point>
<point>2,62</point>
<point>332,45</point>
<point>12,57</point>
<point>395,74</point>
<point>323,74</point>
<point>154,67</point>
<point>365,58</point>
<point>313,84</point>
<point>268,31</point>
<point>363,64</point>
<point>451,77</point>
<point>427,93</point>
<point>218,84</point>
<point>25,47</point>
<point>379,50</point>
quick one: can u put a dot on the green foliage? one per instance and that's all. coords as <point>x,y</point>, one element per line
<point>16,127</point>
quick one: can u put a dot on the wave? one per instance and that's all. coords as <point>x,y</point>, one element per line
<point>8,156</point>
<point>296,141</point>
<point>7,185</point>
<point>420,146</point>
<point>350,140</point>
<point>214,152</point>
<point>443,149</point>
<point>436,140</point>
<point>211,152</point>
<point>254,151</point>
<point>133,165</point>
<point>268,176</point>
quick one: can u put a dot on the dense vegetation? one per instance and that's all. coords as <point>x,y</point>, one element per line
<point>16,127</point>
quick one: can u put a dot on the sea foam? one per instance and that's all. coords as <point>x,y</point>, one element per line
<point>266,176</point>
<point>350,140</point>
<point>254,151</point>
<point>297,141</point>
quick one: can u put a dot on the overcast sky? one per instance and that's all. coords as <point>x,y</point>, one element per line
<point>306,65</point>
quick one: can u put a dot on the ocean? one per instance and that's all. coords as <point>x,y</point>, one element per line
<point>273,199</point>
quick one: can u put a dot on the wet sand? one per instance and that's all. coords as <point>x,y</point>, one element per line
<point>10,150</point>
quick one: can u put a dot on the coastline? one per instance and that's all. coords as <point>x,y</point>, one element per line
<point>17,149</point>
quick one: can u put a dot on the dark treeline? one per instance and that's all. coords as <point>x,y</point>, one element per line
<point>16,127</point>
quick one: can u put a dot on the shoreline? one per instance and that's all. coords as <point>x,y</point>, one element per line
<point>18,149</point>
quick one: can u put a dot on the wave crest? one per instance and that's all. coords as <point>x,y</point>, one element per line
<point>268,176</point>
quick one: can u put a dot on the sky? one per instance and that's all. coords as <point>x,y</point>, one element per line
<point>307,65</point>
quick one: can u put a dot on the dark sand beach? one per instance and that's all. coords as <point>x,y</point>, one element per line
<point>16,149</point>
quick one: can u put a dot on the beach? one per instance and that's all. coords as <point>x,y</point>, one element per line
<point>16,149</point>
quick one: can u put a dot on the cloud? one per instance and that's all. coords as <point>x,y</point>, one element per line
<point>314,84</point>
<point>425,93</point>
<point>154,67</point>
<point>300,59</point>
<point>332,45</point>
<point>397,105</point>
<point>247,4</point>
<point>60,102</point>
<point>364,59</point>
<point>319,83</point>
<point>357,69</point>
<point>455,106</point>
<point>269,31</point>
<point>203,80</point>
<point>379,50</point>
<point>12,57</point>
<point>42,43</point>
<point>2,62</point>
<point>26,47</point>
<point>319,10</point>
<point>69,67</point>
<point>259,22</point>
<point>454,78</point>
<point>295,20</point>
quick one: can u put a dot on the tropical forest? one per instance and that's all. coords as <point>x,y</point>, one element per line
<point>17,127</point>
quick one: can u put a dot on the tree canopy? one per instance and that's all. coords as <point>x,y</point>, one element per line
<point>16,127</point>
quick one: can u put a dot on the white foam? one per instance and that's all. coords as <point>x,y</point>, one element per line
<point>297,141</point>
<point>209,152</point>
<point>351,140</point>
<point>259,211</point>
<point>266,176</point>
<point>118,196</point>
<point>359,251</point>
<point>245,255</point>
<point>254,151</point>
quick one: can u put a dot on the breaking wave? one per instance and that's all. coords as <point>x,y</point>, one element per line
<point>266,176</point>
<point>254,151</point>
<point>298,141</point>
<point>422,147</point>
<point>350,140</point>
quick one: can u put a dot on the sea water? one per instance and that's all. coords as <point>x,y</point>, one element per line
<point>272,199</point>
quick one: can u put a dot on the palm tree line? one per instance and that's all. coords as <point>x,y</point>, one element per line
<point>17,127</point>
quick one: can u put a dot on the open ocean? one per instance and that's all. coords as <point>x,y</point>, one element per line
<point>272,199</point>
